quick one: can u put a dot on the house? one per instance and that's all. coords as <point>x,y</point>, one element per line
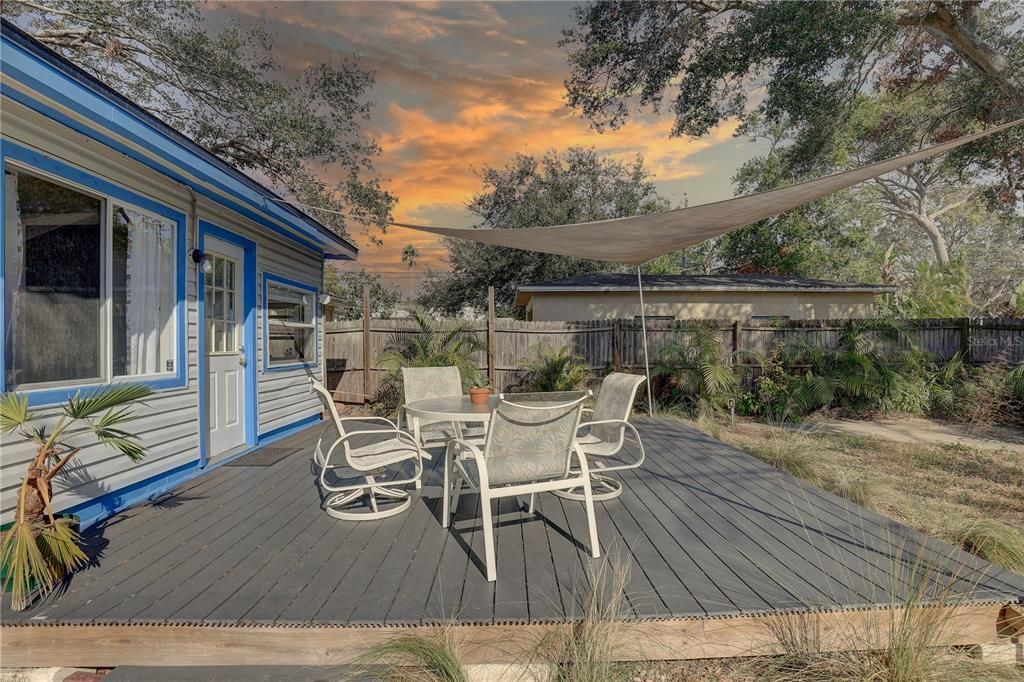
<point>603,296</point>
<point>130,253</point>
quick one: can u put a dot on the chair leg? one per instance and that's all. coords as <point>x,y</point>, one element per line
<point>532,498</point>
<point>373,498</point>
<point>488,528</point>
<point>588,502</point>
<point>446,492</point>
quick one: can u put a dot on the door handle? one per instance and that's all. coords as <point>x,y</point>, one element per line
<point>241,356</point>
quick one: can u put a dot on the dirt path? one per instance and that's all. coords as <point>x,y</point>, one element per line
<point>911,430</point>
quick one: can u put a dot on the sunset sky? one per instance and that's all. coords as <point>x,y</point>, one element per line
<point>464,85</point>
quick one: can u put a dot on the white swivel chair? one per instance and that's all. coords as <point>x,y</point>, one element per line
<point>603,437</point>
<point>370,461</point>
<point>529,448</point>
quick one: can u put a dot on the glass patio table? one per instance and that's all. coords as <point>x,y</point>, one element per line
<point>456,408</point>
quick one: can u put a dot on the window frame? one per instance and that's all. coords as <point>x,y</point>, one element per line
<point>20,159</point>
<point>314,292</point>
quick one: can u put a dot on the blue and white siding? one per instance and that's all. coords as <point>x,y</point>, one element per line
<point>36,119</point>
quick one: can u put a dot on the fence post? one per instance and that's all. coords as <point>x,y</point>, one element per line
<point>366,344</point>
<point>736,347</point>
<point>492,370</point>
<point>617,344</point>
<point>965,339</point>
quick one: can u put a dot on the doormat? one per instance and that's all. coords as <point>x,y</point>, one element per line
<point>264,457</point>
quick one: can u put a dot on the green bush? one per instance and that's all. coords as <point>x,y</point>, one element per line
<point>695,373</point>
<point>554,369</point>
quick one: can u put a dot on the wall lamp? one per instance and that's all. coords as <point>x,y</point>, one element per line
<point>201,259</point>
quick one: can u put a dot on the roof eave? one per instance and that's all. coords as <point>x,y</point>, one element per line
<point>260,198</point>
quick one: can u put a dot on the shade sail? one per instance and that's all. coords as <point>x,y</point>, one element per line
<point>638,239</point>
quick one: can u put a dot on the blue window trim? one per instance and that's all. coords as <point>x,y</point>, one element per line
<point>207,229</point>
<point>33,160</point>
<point>270,277</point>
<point>40,75</point>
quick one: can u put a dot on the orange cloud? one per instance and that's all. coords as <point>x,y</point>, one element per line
<point>459,86</point>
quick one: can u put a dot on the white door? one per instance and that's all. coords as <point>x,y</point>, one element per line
<point>225,350</point>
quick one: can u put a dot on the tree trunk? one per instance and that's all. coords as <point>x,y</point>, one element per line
<point>931,228</point>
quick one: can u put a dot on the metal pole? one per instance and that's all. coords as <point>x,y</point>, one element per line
<point>643,326</point>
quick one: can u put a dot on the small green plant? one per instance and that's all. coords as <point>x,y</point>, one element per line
<point>423,658</point>
<point>856,489</point>
<point>478,381</point>
<point>40,549</point>
<point>554,368</point>
<point>788,449</point>
<point>989,539</point>
<point>586,649</point>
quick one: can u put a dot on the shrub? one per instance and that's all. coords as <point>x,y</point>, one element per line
<point>695,372</point>
<point>434,343</point>
<point>554,369</point>
<point>788,449</point>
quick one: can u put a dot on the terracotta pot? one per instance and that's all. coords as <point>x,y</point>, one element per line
<point>479,396</point>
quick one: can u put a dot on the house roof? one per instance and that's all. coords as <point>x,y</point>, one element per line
<point>28,61</point>
<point>618,281</point>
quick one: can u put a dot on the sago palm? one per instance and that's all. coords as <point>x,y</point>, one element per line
<point>39,548</point>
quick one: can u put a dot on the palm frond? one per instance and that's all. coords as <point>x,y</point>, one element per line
<point>26,566</point>
<point>103,398</point>
<point>13,412</point>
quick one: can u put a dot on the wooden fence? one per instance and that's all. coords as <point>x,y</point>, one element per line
<point>354,374</point>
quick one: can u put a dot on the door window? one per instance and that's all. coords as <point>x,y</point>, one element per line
<point>221,305</point>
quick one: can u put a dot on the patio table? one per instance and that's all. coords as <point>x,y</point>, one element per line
<point>456,408</point>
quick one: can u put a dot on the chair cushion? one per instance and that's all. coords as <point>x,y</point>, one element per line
<point>382,453</point>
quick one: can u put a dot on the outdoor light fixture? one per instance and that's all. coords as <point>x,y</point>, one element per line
<point>200,259</point>
<point>324,299</point>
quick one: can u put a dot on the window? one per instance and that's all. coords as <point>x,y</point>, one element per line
<point>144,294</point>
<point>90,291</point>
<point>291,324</point>
<point>53,283</point>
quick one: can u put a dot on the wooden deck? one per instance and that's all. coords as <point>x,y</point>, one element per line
<point>706,531</point>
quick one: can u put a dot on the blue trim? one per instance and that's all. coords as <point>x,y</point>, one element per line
<point>34,160</point>
<point>61,81</point>
<point>93,511</point>
<point>269,277</point>
<point>97,509</point>
<point>249,305</point>
<point>288,429</point>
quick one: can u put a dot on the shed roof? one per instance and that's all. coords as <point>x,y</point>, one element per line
<point>619,281</point>
<point>215,170</point>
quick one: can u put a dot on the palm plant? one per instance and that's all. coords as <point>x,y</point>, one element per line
<point>40,549</point>
<point>553,368</point>
<point>434,343</point>
<point>696,371</point>
<point>859,371</point>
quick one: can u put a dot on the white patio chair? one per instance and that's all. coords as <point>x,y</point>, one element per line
<point>420,383</point>
<point>603,437</point>
<point>528,449</point>
<point>370,461</point>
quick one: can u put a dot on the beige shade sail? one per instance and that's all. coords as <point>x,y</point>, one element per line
<point>638,239</point>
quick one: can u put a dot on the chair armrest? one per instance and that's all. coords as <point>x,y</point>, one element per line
<point>466,444</point>
<point>368,419</point>
<point>481,465</point>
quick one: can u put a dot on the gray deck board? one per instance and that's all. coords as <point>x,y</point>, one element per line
<point>703,528</point>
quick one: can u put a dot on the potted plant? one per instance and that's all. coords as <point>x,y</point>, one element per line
<point>40,548</point>
<point>479,390</point>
